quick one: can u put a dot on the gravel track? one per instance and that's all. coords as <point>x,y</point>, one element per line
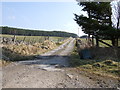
<point>49,70</point>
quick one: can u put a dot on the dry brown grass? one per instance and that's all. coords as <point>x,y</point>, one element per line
<point>34,49</point>
<point>4,63</point>
<point>25,52</point>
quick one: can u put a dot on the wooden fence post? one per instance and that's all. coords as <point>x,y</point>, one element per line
<point>24,39</point>
<point>97,42</point>
<point>14,38</point>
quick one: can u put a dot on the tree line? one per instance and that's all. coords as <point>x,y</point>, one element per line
<point>26,32</point>
<point>98,23</point>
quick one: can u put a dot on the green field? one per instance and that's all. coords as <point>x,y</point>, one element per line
<point>101,44</point>
<point>109,42</point>
<point>36,38</point>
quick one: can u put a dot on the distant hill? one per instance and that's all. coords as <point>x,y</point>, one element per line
<point>84,36</point>
<point>27,32</point>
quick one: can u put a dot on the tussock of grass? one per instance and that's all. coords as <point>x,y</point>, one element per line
<point>13,56</point>
<point>4,63</point>
<point>59,43</point>
<point>110,62</point>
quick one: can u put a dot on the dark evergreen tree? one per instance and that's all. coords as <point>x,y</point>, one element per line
<point>98,23</point>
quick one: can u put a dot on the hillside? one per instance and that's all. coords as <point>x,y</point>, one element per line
<point>27,32</point>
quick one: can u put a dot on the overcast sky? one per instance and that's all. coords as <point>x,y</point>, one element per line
<point>42,15</point>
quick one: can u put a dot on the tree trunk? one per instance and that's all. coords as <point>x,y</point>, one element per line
<point>118,24</point>
<point>97,42</point>
<point>113,41</point>
<point>88,37</point>
<point>116,42</point>
<point>92,40</point>
<point>24,39</point>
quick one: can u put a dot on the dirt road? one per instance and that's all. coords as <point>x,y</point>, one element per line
<point>49,70</point>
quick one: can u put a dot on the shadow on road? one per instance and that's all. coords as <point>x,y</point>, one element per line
<point>35,59</point>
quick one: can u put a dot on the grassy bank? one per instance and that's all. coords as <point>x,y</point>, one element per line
<point>102,67</point>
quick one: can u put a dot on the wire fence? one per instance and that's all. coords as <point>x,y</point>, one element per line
<point>29,39</point>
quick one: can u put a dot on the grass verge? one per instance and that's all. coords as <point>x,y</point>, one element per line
<point>102,67</point>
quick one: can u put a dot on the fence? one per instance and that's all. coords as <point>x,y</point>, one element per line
<point>29,39</point>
